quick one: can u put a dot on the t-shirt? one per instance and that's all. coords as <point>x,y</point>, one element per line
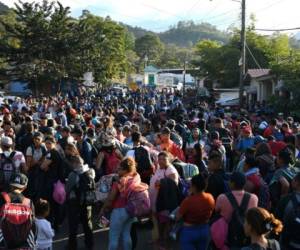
<point>197,209</point>
<point>37,153</point>
<point>45,234</point>
<point>55,169</point>
<point>224,207</point>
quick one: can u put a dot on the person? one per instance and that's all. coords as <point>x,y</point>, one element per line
<point>161,216</point>
<point>237,182</point>
<point>120,220</point>
<point>35,155</point>
<point>18,184</point>
<point>45,232</point>
<point>217,176</point>
<point>285,172</point>
<point>142,157</point>
<point>198,157</point>
<point>78,210</point>
<point>246,140</point>
<point>265,160</point>
<point>286,211</point>
<point>168,145</point>
<point>196,211</point>
<point>84,147</point>
<point>259,223</point>
<point>52,167</point>
<point>194,138</point>
<point>11,162</point>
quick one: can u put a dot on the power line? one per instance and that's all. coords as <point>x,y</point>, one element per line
<point>253,57</point>
<point>274,30</point>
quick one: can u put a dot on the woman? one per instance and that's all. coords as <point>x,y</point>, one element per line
<point>198,157</point>
<point>265,161</point>
<point>53,171</point>
<point>258,224</point>
<point>193,139</point>
<point>161,220</point>
<point>120,221</point>
<point>35,155</point>
<point>70,152</point>
<point>196,211</point>
<point>109,158</point>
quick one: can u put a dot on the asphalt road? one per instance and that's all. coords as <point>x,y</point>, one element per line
<point>101,239</point>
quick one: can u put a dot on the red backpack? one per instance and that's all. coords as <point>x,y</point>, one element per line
<point>16,223</point>
<point>112,162</point>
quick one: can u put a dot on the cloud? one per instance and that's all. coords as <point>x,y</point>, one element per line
<point>158,15</point>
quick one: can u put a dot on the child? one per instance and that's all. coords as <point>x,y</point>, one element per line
<point>44,231</point>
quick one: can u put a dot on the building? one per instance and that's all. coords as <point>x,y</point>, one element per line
<point>263,85</point>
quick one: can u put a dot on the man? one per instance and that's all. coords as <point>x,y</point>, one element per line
<point>84,148</point>
<point>175,137</point>
<point>273,130</point>
<point>217,180</point>
<point>11,162</point>
<point>66,137</point>
<point>246,140</point>
<point>79,212</point>
<point>168,145</point>
<point>287,212</point>
<point>17,185</point>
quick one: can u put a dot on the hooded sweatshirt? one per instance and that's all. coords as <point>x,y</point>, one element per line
<point>73,179</point>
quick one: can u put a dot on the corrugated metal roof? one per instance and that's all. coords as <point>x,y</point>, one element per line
<point>255,73</point>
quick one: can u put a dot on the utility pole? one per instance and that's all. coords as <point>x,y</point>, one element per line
<point>184,72</point>
<point>243,54</point>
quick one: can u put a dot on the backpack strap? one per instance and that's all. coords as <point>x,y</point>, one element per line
<point>6,197</point>
<point>232,200</point>
<point>245,202</point>
<point>235,205</point>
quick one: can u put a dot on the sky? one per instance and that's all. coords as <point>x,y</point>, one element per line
<point>159,15</point>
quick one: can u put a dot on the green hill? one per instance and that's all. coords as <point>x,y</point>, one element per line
<point>184,34</point>
<point>3,8</point>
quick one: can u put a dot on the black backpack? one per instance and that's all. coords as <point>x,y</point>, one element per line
<point>236,236</point>
<point>86,189</point>
<point>7,169</point>
<point>143,159</point>
<point>291,232</point>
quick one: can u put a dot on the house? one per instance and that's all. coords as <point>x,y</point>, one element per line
<point>263,85</point>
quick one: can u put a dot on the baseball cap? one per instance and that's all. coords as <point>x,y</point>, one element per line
<point>6,141</point>
<point>19,180</point>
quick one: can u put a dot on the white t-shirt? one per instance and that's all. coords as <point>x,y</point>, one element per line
<point>37,153</point>
<point>160,174</point>
<point>45,234</point>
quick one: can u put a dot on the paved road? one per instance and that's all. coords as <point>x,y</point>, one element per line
<point>101,239</point>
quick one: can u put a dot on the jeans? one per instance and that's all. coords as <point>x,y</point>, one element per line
<point>80,215</point>
<point>120,225</point>
<point>194,237</point>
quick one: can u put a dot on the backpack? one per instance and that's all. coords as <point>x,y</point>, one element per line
<point>7,169</point>
<point>16,223</point>
<point>264,199</point>
<point>272,245</point>
<point>111,162</point>
<point>103,186</point>
<point>86,189</point>
<point>138,202</point>
<point>292,224</point>
<point>183,188</point>
<point>236,236</point>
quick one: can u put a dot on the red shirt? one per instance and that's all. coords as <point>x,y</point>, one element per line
<point>276,146</point>
<point>120,201</point>
<point>268,132</point>
<point>197,209</point>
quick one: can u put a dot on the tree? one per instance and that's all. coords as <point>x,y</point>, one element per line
<point>150,46</point>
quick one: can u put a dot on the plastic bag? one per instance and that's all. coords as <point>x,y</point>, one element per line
<point>59,193</point>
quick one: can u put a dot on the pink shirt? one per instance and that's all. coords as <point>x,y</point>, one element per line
<point>224,207</point>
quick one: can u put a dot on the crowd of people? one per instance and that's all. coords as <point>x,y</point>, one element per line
<point>207,177</point>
